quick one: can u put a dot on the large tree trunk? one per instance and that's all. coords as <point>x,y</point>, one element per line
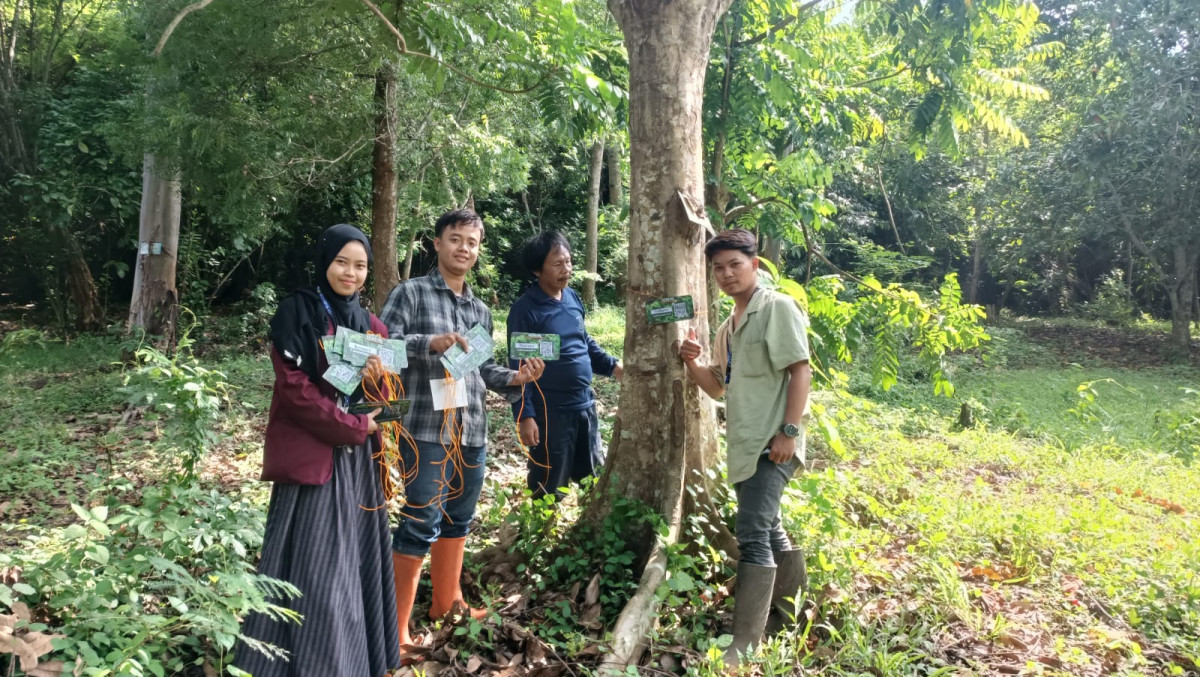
<point>383,186</point>
<point>663,430</point>
<point>154,306</point>
<point>81,286</point>
<point>1181,291</point>
<point>593,225</point>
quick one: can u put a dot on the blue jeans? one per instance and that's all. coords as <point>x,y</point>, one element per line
<point>759,525</point>
<point>569,453</point>
<point>440,498</point>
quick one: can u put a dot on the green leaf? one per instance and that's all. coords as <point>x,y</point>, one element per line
<point>99,554</point>
<point>82,512</point>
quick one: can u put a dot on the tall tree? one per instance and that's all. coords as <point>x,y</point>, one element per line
<point>154,304</point>
<point>40,44</point>
<point>386,272</point>
<point>662,429</point>
<point>595,170</point>
<point>1137,144</point>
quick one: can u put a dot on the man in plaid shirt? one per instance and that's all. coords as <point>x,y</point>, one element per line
<point>432,313</point>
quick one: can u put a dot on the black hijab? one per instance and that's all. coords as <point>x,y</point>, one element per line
<point>302,318</point>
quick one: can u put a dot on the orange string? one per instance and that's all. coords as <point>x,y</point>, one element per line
<point>546,432</point>
<point>392,434</point>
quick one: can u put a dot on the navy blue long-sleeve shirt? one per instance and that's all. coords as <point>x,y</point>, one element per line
<point>567,381</point>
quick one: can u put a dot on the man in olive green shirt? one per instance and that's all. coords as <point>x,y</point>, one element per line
<point>760,364</point>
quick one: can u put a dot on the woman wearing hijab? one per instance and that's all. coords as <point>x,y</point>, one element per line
<point>319,537</point>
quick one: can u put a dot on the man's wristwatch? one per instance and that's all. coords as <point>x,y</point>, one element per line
<point>790,430</point>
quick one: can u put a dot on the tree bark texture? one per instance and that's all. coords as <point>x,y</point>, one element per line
<point>615,179</point>
<point>772,249</point>
<point>383,186</point>
<point>1181,291</point>
<point>154,306</point>
<point>81,286</point>
<point>976,269</point>
<point>593,225</point>
<point>662,428</point>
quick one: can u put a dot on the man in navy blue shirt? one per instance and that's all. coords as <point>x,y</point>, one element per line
<point>568,449</point>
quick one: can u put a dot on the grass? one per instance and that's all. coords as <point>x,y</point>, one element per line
<point>1056,536</point>
<point>979,543</point>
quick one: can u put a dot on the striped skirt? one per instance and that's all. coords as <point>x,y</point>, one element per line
<point>320,540</point>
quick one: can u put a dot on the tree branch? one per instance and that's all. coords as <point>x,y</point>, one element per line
<point>887,201</point>
<point>739,211</point>
<point>391,27</point>
<point>880,78</point>
<point>162,42</point>
<point>403,47</point>
<point>778,26</point>
<point>1133,236</point>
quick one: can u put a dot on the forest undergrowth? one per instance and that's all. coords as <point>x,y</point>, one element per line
<point>1040,521</point>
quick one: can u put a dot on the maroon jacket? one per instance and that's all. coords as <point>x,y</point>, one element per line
<point>305,424</point>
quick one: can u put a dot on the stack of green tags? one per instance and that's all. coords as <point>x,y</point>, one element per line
<point>523,346</point>
<point>670,309</point>
<point>461,362</point>
<point>347,352</point>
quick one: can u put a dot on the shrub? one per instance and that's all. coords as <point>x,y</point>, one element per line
<point>146,589</point>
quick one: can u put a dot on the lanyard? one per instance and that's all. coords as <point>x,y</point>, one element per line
<point>328,309</point>
<point>729,341</point>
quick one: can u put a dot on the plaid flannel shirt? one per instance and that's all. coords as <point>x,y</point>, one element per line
<point>416,311</point>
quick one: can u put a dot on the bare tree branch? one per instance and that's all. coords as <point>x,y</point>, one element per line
<point>390,26</point>
<point>891,217</point>
<point>778,26</point>
<point>880,78</point>
<point>162,42</point>
<point>1137,241</point>
<point>739,211</point>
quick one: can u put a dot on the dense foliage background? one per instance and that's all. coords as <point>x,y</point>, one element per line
<point>1046,155</point>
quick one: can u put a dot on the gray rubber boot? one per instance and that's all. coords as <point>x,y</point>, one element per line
<point>751,604</point>
<point>791,580</point>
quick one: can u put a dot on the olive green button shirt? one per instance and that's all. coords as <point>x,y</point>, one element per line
<point>771,337</point>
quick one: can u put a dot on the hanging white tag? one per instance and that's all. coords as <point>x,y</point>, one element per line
<point>448,393</point>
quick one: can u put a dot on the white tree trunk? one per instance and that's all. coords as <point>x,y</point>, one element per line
<point>593,225</point>
<point>154,305</point>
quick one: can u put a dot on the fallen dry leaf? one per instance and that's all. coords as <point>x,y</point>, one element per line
<point>593,591</point>
<point>535,650</point>
<point>29,648</point>
<point>591,617</point>
<point>47,669</point>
